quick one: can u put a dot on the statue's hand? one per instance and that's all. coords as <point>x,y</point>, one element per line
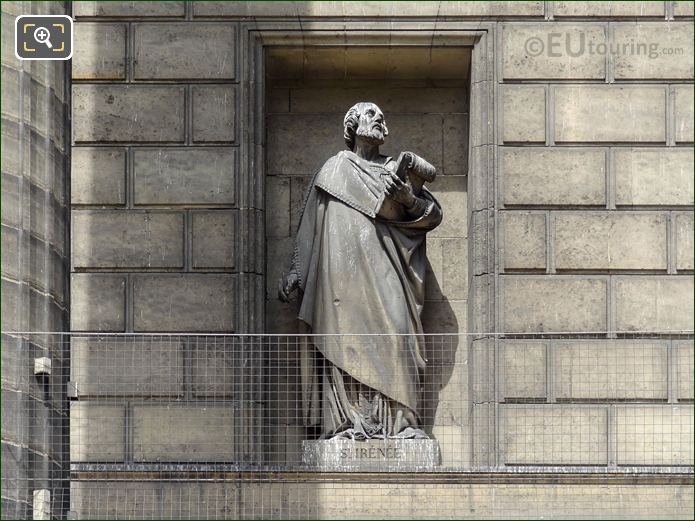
<point>399,191</point>
<point>287,285</point>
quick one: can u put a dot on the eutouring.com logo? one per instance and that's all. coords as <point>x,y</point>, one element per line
<point>561,45</point>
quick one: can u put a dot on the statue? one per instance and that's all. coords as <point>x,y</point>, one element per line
<point>359,263</point>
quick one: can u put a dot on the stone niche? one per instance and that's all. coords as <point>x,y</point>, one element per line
<point>424,93</point>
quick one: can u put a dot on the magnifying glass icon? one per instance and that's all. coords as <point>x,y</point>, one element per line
<point>43,35</point>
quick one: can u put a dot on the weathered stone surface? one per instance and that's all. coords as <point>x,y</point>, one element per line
<point>653,176</point>
<point>524,236</point>
<point>451,192</point>
<point>113,113</point>
<point>609,240</point>
<point>523,366</point>
<point>277,213</point>
<point>454,281</point>
<point>178,432</point>
<point>185,176</point>
<point>99,51</point>
<point>455,144</point>
<point>553,176</point>
<point>137,367</point>
<point>444,100</point>
<point>684,370</point>
<point>129,9</point>
<point>610,113</point>
<point>684,113</point>
<point>554,434</point>
<point>684,241</point>
<point>204,303</point>
<point>97,432</point>
<point>554,304</point>
<point>97,302</point>
<point>333,9</point>
<point>523,117</point>
<point>127,239</point>
<point>418,133</point>
<point>645,46</point>
<point>607,9</point>
<point>214,113</point>
<point>225,367</point>
<point>654,303</point>
<point>339,454</point>
<point>654,435</point>
<point>184,50</point>
<point>314,499</point>
<point>682,8</point>
<point>97,176</point>
<point>552,51</point>
<point>214,242</point>
<point>615,370</point>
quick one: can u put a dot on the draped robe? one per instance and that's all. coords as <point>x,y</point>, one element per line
<point>360,274</point>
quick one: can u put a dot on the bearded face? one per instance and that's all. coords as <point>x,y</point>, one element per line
<point>371,125</point>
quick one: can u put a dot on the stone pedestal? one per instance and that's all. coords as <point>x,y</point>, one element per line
<point>339,454</point>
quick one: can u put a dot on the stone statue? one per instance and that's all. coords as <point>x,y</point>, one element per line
<point>359,263</point>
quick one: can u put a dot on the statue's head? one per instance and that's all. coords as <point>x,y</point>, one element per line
<point>364,119</point>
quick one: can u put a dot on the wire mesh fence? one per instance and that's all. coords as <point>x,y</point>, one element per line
<point>268,426</point>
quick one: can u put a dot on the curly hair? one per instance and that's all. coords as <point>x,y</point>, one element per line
<point>352,121</point>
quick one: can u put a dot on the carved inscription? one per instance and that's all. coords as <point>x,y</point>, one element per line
<point>363,453</point>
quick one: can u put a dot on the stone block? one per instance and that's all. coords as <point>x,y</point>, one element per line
<point>524,369</point>
<point>535,304</point>
<point>609,240</point>
<point>610,370</point>
<point>454,283</point>
<point>129,9</point>
<point>524,236</point>
<point>298,193</point>
<point>684,112</point>
<point>99,51</point>
<point>393,100</point>
<point>184,50</point>
<point>278,258</point>
<point>127,113</point>
<point>97,302</point>
<point>645,55</point>
<point>277,99</point>
<point>684,241</point>
<point>654,435</point>
<point>97,176</point>
<point>284,445</point>
<point>551,51</point>
<point>418,133</point>
<point>452,194</point>
<point>187,303</point>
<point>215,241</point>
<point>284,393</point>
<point>224,367</point>
<point>654,303</point>
<point>395,9</point>
<point>214,113</point>
<point>554,435</point>
<point>455,144</point>
<point>653,176</point>
<point>394,455</point>
<point>277,207</point>
<point>186,433</point>
<point>684,370</point>
<point>553,176</point>
<point>682,9</point>
<point>287,135</point>
<point>97,432</point>
<point>129,367</point>
<point>446,316</point>
<point>607,9</point>
<point>523,118</point>
<point>127,239</point>
<point>610,113</point>
<point>190,176</point>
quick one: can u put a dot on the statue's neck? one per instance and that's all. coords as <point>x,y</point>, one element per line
<point>366,150</point>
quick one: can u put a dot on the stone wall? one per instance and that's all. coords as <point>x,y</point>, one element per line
<point>34,266</point>
<point>591,194</point>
